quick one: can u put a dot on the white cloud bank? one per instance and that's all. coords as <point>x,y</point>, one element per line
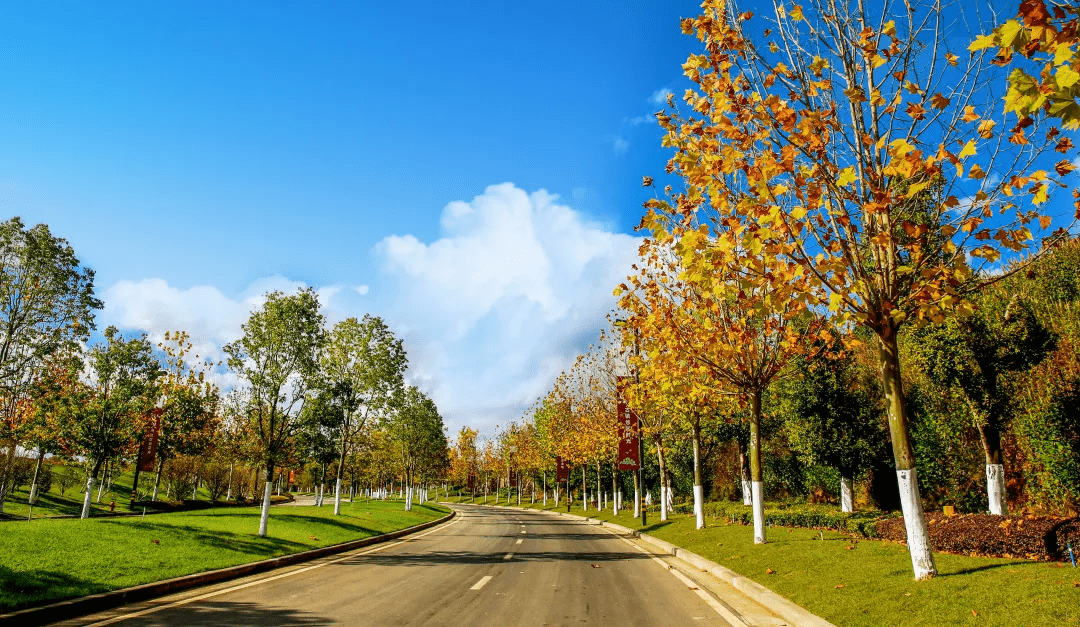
<point>490,313</point>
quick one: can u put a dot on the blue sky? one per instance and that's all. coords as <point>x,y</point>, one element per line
<point>391,155</point>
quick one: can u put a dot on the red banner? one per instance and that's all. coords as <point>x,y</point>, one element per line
<point>148,447</point>
<point>628,431</point>
<point>562,469</point>
<point>292,476</point>
<point>513,478</point>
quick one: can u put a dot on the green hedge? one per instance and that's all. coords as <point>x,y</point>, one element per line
<point>861,523</point>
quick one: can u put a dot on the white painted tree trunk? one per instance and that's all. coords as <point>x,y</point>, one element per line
<point>847,495</point>
<point>747,492</point>
<point>408,500</point>
<point>264,517</point>
<point>101,486</point>
<point>922,560</point>
<point>759,512</point>
<point>995,489</point>
<point>699,507</point>
<point>337,497</point>
<point>86,498</point>
<point>33,494</point>
<point>663,503</point>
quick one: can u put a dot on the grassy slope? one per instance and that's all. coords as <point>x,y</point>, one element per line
<point>49,560</point>
<point>875,577</point>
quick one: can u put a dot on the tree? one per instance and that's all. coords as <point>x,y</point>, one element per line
<point>831,418</point>
<point>277,358</point>
<point>361,365</point>
<point>46,304</point>
<point>112,411</point>
<point>190,406</point>
<point>843,141</point>
<point>416,430</point>
<point>975,355</point>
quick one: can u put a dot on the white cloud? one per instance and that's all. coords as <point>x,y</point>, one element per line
<point>490,312</point>
<point>499,305</point>
<point>620,145</point>
<point>659,97</point>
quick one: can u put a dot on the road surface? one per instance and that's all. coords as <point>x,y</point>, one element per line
<point>487,567</point>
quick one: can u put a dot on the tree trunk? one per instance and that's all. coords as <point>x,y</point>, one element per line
<point>584,489</point>
<point>755,468</point>
<point>995,469</point>
<point>599,490</point>
<point>101,485</point>
<point>264,516</point>
<point>922,560</point>
<point>847,495</point>
<point>637,494</point>
<point>744,475</point>
<point>157,478</point>
<point>37,471</point>
<point>699,490</point>
<point>87,496</point>
<point>228,496</point>
<point>663,482</point>
<point>545,490</point>
<point>615,489</point>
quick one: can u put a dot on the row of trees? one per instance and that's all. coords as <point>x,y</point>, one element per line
<point>307,394</point>
<point>843,260</point>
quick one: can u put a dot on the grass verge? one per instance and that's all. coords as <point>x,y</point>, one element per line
<point>868,582</point>
<point>50,560</point>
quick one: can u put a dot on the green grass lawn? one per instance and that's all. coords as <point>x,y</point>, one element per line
<point>871,583</point>
<point>49,560</point>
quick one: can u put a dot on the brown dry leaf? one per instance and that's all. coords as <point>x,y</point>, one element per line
<point>850,547</point>
<point>313,538</point>
<point>1076,584</point>
<point>769,571</point>
<point>692,587</point>
<point>596,565</point>
<point>974,613</point>
<point>838,586</point>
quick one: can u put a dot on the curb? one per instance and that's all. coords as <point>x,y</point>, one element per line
<point>794,614</point>
<point>81,606</point>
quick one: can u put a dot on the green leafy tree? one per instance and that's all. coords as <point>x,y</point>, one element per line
<point>975,356</point>
<point>832,418</point>
<point>361,366</point>
<point>46,303</point>
<point>277,358</point>
<point>416,432</point>
<point>113,409</point>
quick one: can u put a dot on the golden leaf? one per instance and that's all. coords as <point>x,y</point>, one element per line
<point>969,149</point>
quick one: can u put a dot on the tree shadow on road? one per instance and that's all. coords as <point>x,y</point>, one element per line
<point>441,558</point>
<point>229,614</point>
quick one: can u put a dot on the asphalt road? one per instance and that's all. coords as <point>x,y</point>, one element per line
<point>489,566</point>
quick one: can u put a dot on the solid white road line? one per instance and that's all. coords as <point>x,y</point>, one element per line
<point>152,610</point>
<point>718,607</point>
<point>480,584</point>
<point>508,556</point>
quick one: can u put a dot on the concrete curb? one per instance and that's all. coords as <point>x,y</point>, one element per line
<point>81,606</point>
<point>794,614</point>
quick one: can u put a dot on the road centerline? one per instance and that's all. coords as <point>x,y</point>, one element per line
<point>480,584</point>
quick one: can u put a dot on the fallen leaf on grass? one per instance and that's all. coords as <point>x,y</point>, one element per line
<point>1076,584</point>
<point>838,586</point>
<point>312,538</point>
<point>974,613</point>
<point>907,594</point>
<point>850,547</point>
<point>769,571</point>
<point>156,541</point>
